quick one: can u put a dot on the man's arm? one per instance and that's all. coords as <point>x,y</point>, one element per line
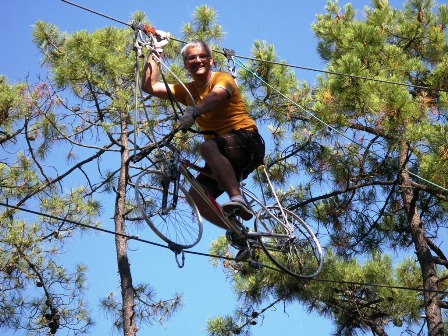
<point>212,100</point>
<point>150,82</point>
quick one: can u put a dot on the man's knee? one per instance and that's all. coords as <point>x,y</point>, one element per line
<point>208,147</point>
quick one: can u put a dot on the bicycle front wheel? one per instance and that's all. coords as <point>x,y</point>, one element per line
<point>171,214</point>
<point>291,245</point>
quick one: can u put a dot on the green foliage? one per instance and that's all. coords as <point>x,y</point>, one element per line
<point>145,311</point>
<point>37,290</point>
<point>377,117</point>
<point>223,326</point>
<point>10,102</point>
<point>267,81</point>
<point>39,294</point>
<point>204,26</point>
<point>341,154</point>
<point>346,168</point>
<point>338,293</point>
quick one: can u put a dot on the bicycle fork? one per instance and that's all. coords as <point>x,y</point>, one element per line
<point>173,176</point>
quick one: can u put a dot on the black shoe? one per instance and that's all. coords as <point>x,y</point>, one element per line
<point>238,208</point>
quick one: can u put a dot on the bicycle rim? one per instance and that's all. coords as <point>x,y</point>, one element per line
<point>300,254</point>
<point>178,224</point>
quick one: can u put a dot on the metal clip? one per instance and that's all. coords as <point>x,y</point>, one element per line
<point>229,54</point>
<point>177,249</point>
<point>138,47</point>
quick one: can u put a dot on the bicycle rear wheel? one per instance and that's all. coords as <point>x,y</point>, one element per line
<point>299,252</point>
<point>178,221</point>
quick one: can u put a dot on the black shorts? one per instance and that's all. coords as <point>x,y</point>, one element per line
<point>244,149</point>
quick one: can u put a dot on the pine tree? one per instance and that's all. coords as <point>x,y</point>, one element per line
<point>99,70</point>
<point>39,294</point>
<point>391,126</point>
<point>363,162</point>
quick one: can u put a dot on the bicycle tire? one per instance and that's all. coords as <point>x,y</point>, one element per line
<point>180,225</point>
<point>301,255</point>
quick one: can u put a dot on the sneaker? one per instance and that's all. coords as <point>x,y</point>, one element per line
<point>239,208</point>
<point>242,255</point>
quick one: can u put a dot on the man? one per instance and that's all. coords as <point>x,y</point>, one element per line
<point>237,149</point>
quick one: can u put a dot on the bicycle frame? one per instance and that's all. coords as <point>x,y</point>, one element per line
<point>182,167</point>
<point>284,237</point>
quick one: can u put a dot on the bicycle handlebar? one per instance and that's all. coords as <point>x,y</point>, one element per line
<point>159,144</point>
<point>164,141</point>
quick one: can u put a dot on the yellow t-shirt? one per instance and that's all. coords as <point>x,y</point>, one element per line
<point>231,115</point>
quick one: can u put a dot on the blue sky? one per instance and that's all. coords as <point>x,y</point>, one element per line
<point>287,25</point>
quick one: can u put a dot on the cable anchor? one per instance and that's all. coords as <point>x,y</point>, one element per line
<point>177,249</point>
<point>229,54</point>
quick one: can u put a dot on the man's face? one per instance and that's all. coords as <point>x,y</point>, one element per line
<point>198,62</point>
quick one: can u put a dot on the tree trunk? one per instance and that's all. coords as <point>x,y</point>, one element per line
<point>431,299</point>
<point>124,270</point>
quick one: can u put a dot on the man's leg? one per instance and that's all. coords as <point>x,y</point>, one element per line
<point>220,166</point>
<point>209,213</point>
<point>225,175</point>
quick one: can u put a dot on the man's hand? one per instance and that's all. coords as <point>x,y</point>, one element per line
<point>161,39</point>
<point>187,120</point>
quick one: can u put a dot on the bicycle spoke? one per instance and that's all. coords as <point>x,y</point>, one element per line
<point>289,242</point>
<point>176,222</point>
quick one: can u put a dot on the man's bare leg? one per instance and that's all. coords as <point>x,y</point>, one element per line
<point>225,175</point>
<point>208,212</point>
<point>221,167</point>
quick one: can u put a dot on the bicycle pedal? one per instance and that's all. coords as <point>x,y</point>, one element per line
<point>239,209</point>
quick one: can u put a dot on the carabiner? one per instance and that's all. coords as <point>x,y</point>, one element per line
<point>177,249</point>
<point>229,54</point>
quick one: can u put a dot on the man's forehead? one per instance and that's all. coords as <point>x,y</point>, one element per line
<point>196,50</point>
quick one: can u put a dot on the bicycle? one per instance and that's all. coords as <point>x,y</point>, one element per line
<point>162,197</point>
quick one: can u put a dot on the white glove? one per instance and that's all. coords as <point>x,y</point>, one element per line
<point>187,120</point>
<point>162,35</point>
<point>161,39</point>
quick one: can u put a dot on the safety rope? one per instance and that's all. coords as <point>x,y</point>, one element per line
<point>385,81</point>
<point>136,238</point>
